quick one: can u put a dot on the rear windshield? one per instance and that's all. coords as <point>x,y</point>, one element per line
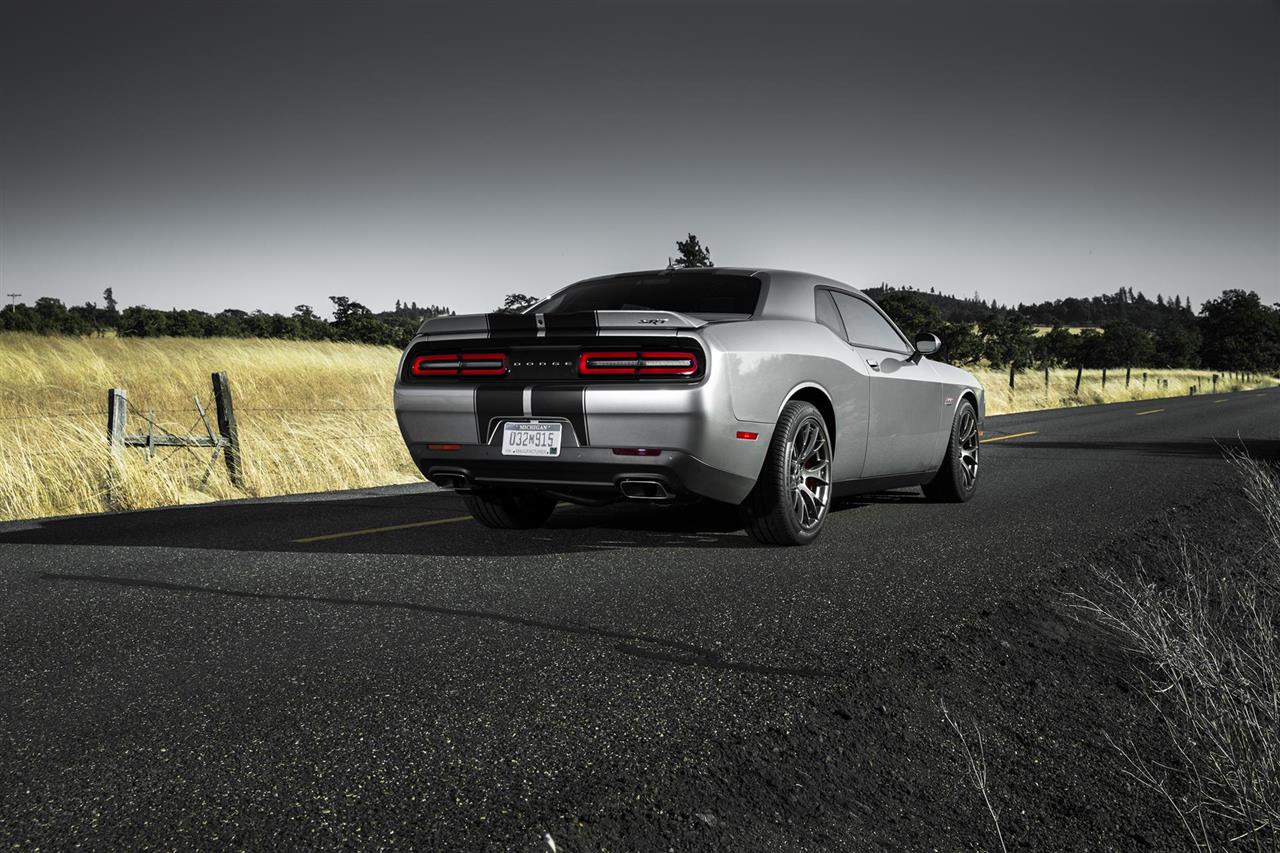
<point>706,296</point>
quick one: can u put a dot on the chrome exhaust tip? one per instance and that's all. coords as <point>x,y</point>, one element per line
<point>450,481</point>
<point>644,490</point>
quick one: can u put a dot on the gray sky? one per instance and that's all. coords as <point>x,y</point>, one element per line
<point>249,155</point>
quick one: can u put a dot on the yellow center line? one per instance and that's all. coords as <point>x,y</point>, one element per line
<point>1014,435</point>
<point>387,529</point>
<point>1147,412</point>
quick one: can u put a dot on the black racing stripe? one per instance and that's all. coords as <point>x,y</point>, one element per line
<point>576,323</point>
<point>563,401</point>
<point>512,325</point>
<point>496,401</point>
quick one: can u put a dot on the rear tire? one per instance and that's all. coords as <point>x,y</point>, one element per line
<point>790,501</point>
<point>957,478</point>
<point>510,509</point>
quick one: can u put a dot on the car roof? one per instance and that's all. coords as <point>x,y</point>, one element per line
<point>787,294</point>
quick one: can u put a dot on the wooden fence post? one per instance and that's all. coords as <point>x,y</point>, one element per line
<point>1144,379</point>
<point>1012,368</point>
<point>227,427</point>
<point>1215,383</point>
<point>117,411</point>
<point>1104,377</point>
<point>1079,373</point>
<point>1126,376</point>
<point>1046,376</point>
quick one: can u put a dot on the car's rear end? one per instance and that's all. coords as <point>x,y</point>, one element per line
<point>623,401</point>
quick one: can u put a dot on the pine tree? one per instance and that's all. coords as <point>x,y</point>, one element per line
<point>692,254</point>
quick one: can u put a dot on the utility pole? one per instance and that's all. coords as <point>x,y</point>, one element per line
<point>13,298</point>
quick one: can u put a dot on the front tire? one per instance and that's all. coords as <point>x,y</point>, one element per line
<point>510,509</point>
<point>957,478</point>
<point>790,501</point>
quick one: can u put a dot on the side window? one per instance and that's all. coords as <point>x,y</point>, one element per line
<point>866,326</point>
<point>826,313</point>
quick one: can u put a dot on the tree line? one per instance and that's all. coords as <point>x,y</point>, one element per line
<point>1234,332</point>
<point>351,321</point>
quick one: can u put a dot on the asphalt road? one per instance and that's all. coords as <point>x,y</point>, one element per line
<point>368,668</point>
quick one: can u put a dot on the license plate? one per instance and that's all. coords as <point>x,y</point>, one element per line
<point>530,439</point>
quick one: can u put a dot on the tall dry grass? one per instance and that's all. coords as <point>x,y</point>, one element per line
<point>1209,627</point>
<point>1031,393</point>
<point>313,416</point>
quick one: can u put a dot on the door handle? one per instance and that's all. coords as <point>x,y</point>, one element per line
<point>874,365</point>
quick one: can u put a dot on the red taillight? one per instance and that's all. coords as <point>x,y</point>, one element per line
<point>747,436</point>
<point>636,451</point>
<point>632,363</point>
<point>444,447</point>
<point>467,364</point>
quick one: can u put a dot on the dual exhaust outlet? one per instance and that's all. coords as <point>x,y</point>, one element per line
<point>636,490</point>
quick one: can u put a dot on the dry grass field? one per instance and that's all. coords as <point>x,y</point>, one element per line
<point>1032,393</point>
<point>312,417</point>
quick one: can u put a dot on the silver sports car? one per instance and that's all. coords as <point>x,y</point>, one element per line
<point>776,391</point>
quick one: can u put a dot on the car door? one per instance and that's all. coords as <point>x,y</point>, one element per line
<point>906,394</point>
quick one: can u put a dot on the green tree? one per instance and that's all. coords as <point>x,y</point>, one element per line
<point>1007,338</point>
<point>1091,349</point>
<point>1177,344</point>
<point>1057,347</point>
<point>961,344</point>
<point>1128,346</point>
<point>1240,332</point>
<point>514,303</point>
<point>911,312</point>
<point>692,254</point>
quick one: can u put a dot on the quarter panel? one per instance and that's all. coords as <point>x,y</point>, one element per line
<point>764,361</point>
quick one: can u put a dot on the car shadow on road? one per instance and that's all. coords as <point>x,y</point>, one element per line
<point>644,646</point>
<point>424,524</point>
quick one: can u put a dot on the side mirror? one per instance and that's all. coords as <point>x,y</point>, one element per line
<point>926,344</point>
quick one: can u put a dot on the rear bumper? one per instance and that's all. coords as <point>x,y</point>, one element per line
<point>589,472</point>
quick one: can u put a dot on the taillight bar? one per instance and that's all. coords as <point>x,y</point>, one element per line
<point>633,363</point>
<point>453,364</point>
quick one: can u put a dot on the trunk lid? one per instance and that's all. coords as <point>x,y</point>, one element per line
<point>581,324</point>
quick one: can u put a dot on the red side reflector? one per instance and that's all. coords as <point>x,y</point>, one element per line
<point>747,436</point>
<point>636,451</point>
<point>444,447</point>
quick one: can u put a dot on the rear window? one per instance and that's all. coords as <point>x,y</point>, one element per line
<point>706,296</point>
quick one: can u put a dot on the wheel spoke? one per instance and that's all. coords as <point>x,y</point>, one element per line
<point>808,467</point>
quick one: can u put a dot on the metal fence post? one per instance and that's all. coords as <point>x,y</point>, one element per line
<point>1079,373</point>
<point>227,427</point>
